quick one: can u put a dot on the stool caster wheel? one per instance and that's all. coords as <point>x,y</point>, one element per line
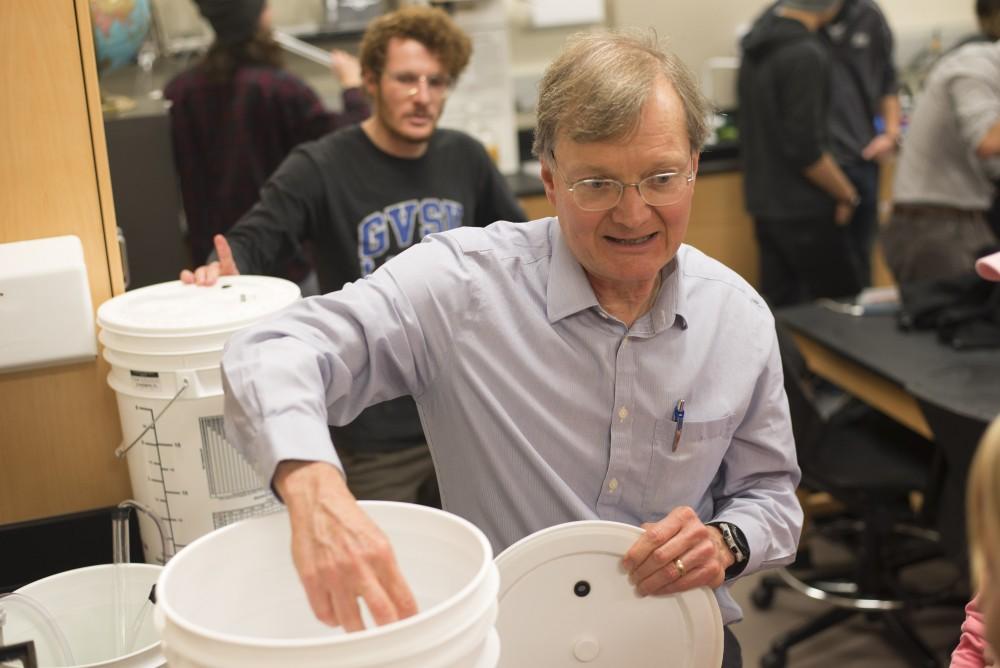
<point>762,596</point>
<point>773,660</point>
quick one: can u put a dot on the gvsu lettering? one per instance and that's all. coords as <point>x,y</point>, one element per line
<point>398,226</point>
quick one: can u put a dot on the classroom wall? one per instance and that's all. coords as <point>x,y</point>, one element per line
<point>698,31</point>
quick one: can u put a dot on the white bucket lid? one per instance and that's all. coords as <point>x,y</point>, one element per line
<point>565,600</point>
<point>176,308</point>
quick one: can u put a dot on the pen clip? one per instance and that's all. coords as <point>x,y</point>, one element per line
<point>679,423</point>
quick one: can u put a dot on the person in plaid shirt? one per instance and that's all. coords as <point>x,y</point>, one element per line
<point>237,114</point>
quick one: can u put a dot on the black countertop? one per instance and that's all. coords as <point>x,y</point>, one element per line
<point>963,382</point>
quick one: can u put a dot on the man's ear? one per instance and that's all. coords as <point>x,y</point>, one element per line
<point>548,180</point>
<point>370,82</point>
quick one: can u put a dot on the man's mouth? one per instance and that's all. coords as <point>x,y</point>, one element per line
<point>631,242</point>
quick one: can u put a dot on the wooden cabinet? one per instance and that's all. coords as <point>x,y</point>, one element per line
<point>720,226</point>
<point>58,426</point>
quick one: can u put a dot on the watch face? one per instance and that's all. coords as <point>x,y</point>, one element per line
<point>731,535</point>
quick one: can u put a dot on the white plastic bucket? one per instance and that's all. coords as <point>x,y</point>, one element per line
<point>81,604</point>
<point>164,344</point>
<point>232,599</point>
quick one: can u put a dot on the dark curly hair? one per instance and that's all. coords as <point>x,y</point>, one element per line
<point>988,12</point>
<point>222,60</point>
<point>430,26</point>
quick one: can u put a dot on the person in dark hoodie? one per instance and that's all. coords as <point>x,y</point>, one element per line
<point>237,113</point>
<point>800,200</point>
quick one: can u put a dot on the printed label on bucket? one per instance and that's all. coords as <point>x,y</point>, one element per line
<point>185,471</point>
<point>146,380</point>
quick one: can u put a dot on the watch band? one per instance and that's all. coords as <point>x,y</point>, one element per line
<point>734,539</point>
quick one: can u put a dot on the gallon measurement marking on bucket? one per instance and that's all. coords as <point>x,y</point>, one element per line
<point>165,514</point>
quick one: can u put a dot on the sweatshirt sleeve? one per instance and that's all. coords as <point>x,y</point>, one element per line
<point>971,645</point>
<point>272,231</point>
<point>803,105</point>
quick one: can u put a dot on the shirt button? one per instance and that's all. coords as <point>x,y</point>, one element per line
<point>622,413</point>
<point>613,485</point>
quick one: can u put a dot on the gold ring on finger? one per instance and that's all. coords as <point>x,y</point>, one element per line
<point>680,567</point>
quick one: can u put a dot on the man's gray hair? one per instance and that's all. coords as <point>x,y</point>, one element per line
<point>595,89</point>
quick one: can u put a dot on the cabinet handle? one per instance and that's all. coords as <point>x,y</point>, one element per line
<point>123,251</point>
<point>24,652</point>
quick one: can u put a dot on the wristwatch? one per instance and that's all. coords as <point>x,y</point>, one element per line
<point>853,202</point>
<point>734,539</point>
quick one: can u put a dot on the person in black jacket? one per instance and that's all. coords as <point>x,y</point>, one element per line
<point>800,200</point>
<point>238,112</point>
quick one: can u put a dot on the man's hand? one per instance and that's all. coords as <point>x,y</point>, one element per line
<point>339,553</point>
<point>844,212</point>
<point>208,274</point>
<point>879,148</point>
<point>676,554</point>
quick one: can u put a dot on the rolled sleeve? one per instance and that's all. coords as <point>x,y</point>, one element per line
<point>761,475</point>
<point>803,106</point>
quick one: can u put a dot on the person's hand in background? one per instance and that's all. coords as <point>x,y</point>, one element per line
<point>346,68</point>
<point>208,274</point>
<point>879,148</point>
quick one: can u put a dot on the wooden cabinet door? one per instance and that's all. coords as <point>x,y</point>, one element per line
<point>58,426</point>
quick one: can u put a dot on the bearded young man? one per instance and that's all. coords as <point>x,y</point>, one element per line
<point>365,194</point>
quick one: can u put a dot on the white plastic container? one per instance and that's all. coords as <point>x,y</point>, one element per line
<point>164,343</point>
<point>565,601</point>
<point>232,599</point>
<point>81,604</point>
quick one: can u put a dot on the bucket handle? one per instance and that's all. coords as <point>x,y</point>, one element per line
<point>23,652</point>
<point>123,449</point>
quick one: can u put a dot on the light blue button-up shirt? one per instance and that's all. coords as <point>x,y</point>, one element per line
<point>538,406</point>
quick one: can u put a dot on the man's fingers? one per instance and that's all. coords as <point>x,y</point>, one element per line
<point>187,276</point>
<point>656,534</point>
<point>207,274</point>
<point>226,264</point>
<point>319,601</point>
<point>379,604</point>
<point>345,603</point>
<point>641,548</point>
<point>399,592</point>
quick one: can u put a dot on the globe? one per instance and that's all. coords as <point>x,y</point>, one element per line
<point>120,27</point>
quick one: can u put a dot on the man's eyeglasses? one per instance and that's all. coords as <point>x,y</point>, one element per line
<point>437,84</point>
<point>661,189</point>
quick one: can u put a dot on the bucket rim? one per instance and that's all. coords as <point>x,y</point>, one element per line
<point>95,567</point>
<point>145,649</point>
<point>481,575</point>
<point>289,293</point>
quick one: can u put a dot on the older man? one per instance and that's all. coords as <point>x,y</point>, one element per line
<point>550,361</point>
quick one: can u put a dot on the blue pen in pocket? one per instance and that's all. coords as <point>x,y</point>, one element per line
<point>679,423</point>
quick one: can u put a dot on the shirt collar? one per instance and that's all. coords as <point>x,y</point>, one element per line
<point>569,292</point>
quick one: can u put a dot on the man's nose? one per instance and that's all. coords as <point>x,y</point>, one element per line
<point>421,91</point>
<point>631,209</point>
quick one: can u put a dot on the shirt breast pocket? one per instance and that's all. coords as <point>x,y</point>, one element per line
<point>684,476</point>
